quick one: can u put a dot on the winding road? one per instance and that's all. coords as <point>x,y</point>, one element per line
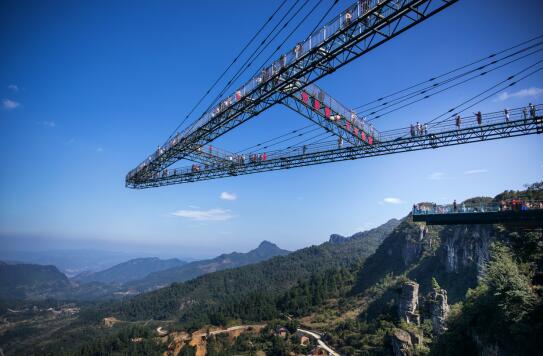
<point>319,341</point>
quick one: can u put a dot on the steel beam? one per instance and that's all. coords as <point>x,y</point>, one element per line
<point>291,158</point>
<point>316,105</point>
<point>337,44</point>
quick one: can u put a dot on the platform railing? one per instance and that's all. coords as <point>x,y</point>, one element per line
<point>470,208</point>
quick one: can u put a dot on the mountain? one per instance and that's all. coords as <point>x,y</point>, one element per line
<point>371,235</point>
<point>384,291</point>
<point>130,270</point>
<point>69,262</point>
<point>263,252</point>
<point>28,281</point>
<point>275,275</point>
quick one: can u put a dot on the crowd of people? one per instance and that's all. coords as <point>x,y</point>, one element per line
<point>528,112</point>
<point>504,205</point>
<point>419,129</point>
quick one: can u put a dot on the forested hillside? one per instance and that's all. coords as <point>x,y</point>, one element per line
<point>263,252</point>
<point>273,276</point>
<point>130,270</point>
<point>22,281</point>
<point>403,288</point>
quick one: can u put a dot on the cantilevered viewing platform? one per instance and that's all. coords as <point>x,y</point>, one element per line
<point>520,213</point>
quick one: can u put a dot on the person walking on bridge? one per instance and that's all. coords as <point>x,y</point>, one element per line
<point>458,121</point>
<point>479,117</point>
<point>506,114</point>
<point>532,111</point>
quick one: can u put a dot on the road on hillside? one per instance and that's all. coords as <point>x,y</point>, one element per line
<point>319,341</point>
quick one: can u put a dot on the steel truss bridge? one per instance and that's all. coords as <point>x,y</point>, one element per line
<point>289,81</point>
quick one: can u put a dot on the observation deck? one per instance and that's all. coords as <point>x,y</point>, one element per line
<point>521,213</point>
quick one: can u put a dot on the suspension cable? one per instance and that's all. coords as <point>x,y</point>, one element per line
<point>451,71</point>
<point>256,53</point>
<point>486,91</point>
<point>446,88</point>
<point>241,69</point>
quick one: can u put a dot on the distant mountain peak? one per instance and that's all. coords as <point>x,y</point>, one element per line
<point>337,239</point>
<point>267,244</point>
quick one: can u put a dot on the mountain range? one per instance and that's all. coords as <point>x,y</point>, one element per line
<point>34,282</point>
<point>130,270</point>
<point>274,275</point>
<point>155,280</point>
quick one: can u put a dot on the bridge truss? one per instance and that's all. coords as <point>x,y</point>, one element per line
<point>289,81</point>
<point>494,126</point>
<point>357,30</point>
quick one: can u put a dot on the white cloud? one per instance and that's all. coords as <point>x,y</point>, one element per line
<point>532,92</point>
<point>10,104</point>
<point>393,200</point>
<point>436,176</point>
<point>13,87</point>
<point>228,196</point>
<point>476,171</point>
<point>205,215</point>
<point>50,124</point>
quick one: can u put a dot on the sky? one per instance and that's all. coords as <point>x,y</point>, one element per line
<point>89,88</point>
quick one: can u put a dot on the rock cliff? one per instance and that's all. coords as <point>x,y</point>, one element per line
<point>409,303</point>
<point>466,246</point>
<point>439,310</point>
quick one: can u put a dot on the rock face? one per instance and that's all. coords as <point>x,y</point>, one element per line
<point>337,239</point>
<point>466,247</point>
<point>439,309</point>
<point>409,302</point>
<point>401,343</point>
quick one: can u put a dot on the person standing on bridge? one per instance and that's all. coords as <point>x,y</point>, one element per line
<point>340,142</point>
<point>479,117</point>
<point>506,114</point>
<point>412,130</point>
<point>283,61</point>
<point>458,121</point>
<point>525,113</point>
<point>532,110</point>
<point>455,207</point>
<point>298,50</point>
<point>348,18</point>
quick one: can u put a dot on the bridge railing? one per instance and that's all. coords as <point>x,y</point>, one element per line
<point>449,124</point>
<point>230,159</point>
<point>346,19</point>
<point>470,208</point>
<point>347,116</point>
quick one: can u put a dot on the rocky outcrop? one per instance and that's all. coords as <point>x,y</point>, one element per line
<point>337,239</point>
<point>466,247</point>
<point>439,309</point>
<point>401,343</point>
<point>411,250</point>
<point>409,302</point>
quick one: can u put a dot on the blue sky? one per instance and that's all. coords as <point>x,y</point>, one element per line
<point>89,89</point>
